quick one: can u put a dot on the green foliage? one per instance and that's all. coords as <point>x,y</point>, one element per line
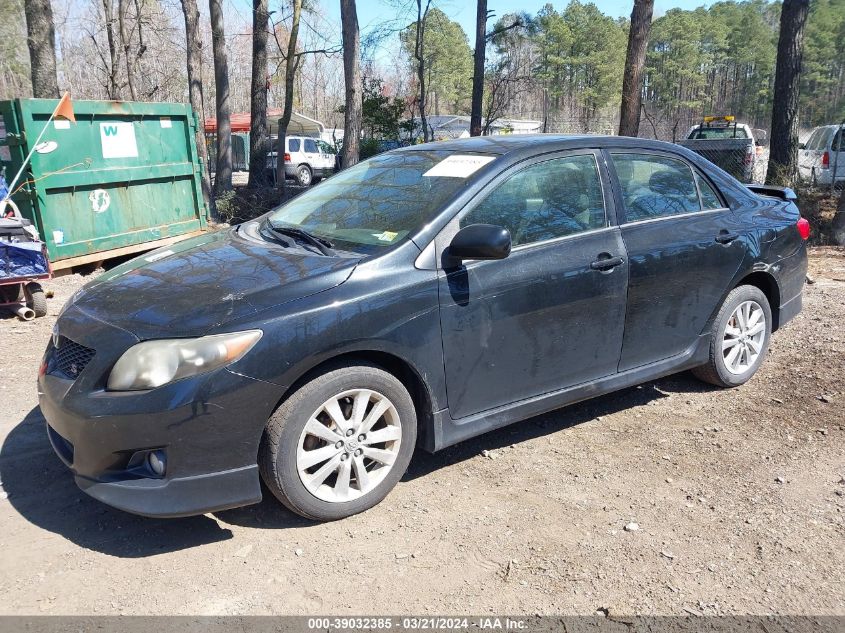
<point>381,115</point>
<point>823,78</point>
<point>718,60</point>
<point>448,62</point>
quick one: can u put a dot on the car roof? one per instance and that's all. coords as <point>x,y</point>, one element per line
<point>539,143</point>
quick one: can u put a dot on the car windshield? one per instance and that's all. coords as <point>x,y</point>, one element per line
<point>710,133</point>
<point>377,203</point>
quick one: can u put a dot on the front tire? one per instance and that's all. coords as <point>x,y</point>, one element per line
<point>340,443</point>
<point>36,299</point>
<point>739,338</point>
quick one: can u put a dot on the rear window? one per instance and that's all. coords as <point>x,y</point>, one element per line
<point>710,133</point>
<point>655,186</point>
<point>819,139</point>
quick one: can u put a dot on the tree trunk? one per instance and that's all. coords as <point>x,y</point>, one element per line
<point>223,171</point>
<point>258,141</point>
<point>194,65</point>
<point>108,13</point>
<point>420,57</point>
<point>291,64</point>
<point>478,68</point>
<point>41,38</point>
<point>352,78</point>
<point>629,115</point>
<point>125,43</point>
<point>783,154</point>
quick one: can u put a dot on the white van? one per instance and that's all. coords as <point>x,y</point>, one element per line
<point>817,158</point>
<point>307,159</point>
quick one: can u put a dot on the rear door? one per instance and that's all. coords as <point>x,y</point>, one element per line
<point>312,153</point>
<point>684,248</point>
<point>551,314</point>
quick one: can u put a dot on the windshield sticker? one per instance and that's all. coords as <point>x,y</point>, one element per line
<point>459,166</point>
<point>387,236</point>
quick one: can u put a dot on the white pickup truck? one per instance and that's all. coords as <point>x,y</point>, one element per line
<point>735,147</point>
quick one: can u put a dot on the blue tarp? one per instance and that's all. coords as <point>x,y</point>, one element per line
<point>21,259</point>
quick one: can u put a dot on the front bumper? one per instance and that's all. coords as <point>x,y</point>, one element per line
<point>208,427</point>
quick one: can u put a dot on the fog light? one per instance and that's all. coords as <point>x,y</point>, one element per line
<point>157,462</point>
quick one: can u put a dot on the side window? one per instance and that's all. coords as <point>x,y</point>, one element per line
<point>838,144</point>
<point>551,199</point>
<point>709,198</point>
<point>655,186</point>
<point>293,145</point>
<point>310,146</point>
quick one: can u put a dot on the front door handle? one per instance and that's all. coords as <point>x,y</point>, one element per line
<point>726,238</point>
<point>606,263</point>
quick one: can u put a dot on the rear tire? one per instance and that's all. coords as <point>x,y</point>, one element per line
<point>36,299</point>
<point>739,338</point>
<point>318,455</point>
<point>303,175</point>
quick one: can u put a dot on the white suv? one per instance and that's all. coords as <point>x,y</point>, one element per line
<point>817,158</point>
<point>307,159</point>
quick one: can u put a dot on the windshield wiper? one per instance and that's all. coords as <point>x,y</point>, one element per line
<point>321,244</point>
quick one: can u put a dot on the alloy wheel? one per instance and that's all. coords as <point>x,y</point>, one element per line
<point>348,445</point>
<point>744,337</point>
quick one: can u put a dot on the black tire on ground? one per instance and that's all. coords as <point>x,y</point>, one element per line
<point>36,299</point>
<point>716,371</point>
<point>277,457</point>
<point>303,175</point>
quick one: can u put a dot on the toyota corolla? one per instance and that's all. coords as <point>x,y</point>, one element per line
<point>420,298</point>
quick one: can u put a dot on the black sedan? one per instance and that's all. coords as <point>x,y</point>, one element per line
<point>420,298</point>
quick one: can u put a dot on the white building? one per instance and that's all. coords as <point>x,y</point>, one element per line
<point>451,126</point>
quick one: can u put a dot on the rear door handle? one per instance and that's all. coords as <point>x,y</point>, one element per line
<point>726,238</point>
<point>606,263</point>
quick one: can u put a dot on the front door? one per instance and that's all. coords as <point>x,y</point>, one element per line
<point>551,314</point>
<point>684,248</point>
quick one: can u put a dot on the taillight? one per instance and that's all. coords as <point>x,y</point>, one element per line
<point>826,160</point>
<point>803,228</point>
<point>749,156</point>
<point>287,158</point>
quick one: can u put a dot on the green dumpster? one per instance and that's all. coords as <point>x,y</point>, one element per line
<point>123,178</point>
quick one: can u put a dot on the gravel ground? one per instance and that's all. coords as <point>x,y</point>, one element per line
<point>668,498</point>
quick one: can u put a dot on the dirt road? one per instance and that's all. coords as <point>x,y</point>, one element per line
<point>737,495</point>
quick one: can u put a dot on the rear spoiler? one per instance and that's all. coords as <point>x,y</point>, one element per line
<point>784,193</point>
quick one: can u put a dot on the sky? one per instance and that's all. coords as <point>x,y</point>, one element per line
<point>372,12</point>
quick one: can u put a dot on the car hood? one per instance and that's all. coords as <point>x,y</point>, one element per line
<point>190,287</point>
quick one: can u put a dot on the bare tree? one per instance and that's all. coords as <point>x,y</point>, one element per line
<point>125,42</point>
<point>783,155</point>
<point>629,115</point>
<point>478,68</point>
<point>194,66</point>
<point>258,141</point>
<point>223,170</point>
<point>419,56</point>
<point>108,15</point>
<point>41,38</point>
<point>352,79</point>
<point>291,63</point>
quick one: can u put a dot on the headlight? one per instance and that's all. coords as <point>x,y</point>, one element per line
<point>154,363</point>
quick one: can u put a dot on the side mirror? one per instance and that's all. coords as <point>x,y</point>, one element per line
<point>481,241</point>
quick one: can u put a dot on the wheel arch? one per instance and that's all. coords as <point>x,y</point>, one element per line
<point>395,365</point>
<point>768,285</point>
